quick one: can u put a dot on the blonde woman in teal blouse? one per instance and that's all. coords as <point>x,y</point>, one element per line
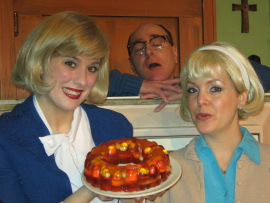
<point>225,164</point>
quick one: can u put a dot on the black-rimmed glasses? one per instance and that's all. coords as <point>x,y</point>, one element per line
<point>139,48</point>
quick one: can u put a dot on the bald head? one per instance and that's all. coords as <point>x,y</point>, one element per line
<point>144,28</point>
<point>154,60</point>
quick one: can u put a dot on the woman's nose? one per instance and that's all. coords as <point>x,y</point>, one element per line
<point>80,77</point>
<point>203,98</point>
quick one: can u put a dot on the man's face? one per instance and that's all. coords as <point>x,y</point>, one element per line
<point>153,63</point>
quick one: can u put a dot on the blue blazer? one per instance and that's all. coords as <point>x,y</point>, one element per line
<point>27,174</point>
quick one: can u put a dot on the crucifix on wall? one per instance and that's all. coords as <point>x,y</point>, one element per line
<point>244,7</point>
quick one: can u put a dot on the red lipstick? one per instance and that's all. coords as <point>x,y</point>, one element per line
<point>72,93</point>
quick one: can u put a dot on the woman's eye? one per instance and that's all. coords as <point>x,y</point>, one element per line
<point>215,89</point>
<point>191,90</point>
<point>92,69</point>
<point>70,64</point>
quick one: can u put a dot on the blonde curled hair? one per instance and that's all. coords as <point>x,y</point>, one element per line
<point>223,55</point>
<point>62,34</point>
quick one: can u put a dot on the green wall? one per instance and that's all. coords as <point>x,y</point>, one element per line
<point>257,41</point>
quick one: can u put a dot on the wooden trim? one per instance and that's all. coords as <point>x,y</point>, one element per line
<point>187,43</point>
<point>209,21</point>
<point>119,7</point>
<point>7,54</point>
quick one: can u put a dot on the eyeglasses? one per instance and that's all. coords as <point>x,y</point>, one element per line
<point>139,48</point>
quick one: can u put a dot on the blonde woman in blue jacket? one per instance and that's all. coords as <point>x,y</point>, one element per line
<point>44,141</point>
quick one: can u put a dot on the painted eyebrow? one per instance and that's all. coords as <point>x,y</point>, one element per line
<point>97,61</point>
<point>73,57</point>
<point>208,82</point>
<point>189,82</point>
<point>215,80</point>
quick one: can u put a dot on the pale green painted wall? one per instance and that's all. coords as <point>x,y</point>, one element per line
<point>257,41</point>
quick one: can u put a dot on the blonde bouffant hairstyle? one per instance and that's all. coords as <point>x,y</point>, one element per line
<point>223,55</point>
<point>62,34</point>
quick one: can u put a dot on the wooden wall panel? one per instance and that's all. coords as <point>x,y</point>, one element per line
<point>26,23</point>
<point>114,7</point>
<point>209,21</point>
<point>7,54</point>
<point>190,36</point>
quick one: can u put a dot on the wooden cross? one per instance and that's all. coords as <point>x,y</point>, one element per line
<point>244,7</point>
